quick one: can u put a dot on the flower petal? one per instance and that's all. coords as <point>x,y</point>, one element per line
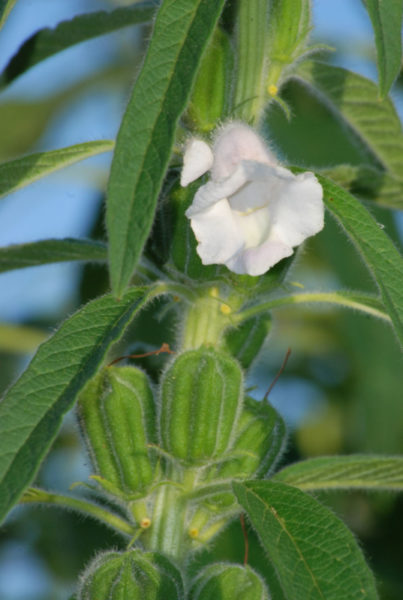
<point>297,210</point>
<point>217,233</point>
<point>197,160</point>
<point>256,261</point>
<point>234,143</point>
<point>212,192</point>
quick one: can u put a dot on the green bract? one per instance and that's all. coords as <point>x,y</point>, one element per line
<point>228,582</point>
<point>201,399</point>
<point>132,575</point>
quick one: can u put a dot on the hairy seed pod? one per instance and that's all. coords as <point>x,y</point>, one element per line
<point>200,403</point>
<point>245,341</point>
<point>133,575</point>
<point>228,582</point>
<point>259,441</point>
<point>117,412</point>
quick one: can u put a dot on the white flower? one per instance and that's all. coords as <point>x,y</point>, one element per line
<point>252,212</point>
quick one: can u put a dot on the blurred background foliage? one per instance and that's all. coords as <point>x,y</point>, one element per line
<point>342,388</point>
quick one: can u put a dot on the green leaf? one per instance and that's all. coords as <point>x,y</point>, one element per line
<point>32,410</point>
<point>181,32</point>
<point>355,300</point>
<point>377,250</point>
<point>354,99</point>
<point>5,9</point>
<point>47,42</point>
<point>369,183</point>
<point>386,20</point>
<point>345,472</point>
<point>18,173</point>
<point>314,554</point>
<point>50,251</point>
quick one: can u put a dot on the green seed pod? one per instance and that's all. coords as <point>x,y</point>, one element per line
<point>201,400</point>
<point>133,575</point>
<point>117,412</point>
<point>259,441</point>
<point>208,101</point>
<point>245,341</point>
<point>228,582</point>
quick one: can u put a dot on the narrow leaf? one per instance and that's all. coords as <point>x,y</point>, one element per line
<point>354,99</point>
<point>47,42</point>
<point>18,173</point>
<point>314,554</point>
<point>345,472</point>
<point>145,139</point>
<point>386,20</point>
<point>32,410</point>
<point>369,183</point>
<point>377,250</point>
<point>50,251</point>
<point>5,9</point>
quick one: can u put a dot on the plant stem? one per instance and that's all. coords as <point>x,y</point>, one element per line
<point>167,523</point>
<point>250,94</point>
<point>206,320</point>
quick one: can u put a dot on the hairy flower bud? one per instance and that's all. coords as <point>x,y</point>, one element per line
<point>133,575</point>
<point>118,418</point>
<point>200,404</point>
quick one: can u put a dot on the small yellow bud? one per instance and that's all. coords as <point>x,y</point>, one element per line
<point>272,89</point>
<point>145,523</point>
<point>225,309</point>
<point>194,532</point>
<point>213,292</point>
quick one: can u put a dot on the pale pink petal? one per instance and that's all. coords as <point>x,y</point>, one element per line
<point>234,143</point>
<point>197,160</point>
<point>212,192</point>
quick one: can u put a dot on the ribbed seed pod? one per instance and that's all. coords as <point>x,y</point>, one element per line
<point>259,441</point>
<point>132,575</point>
<point>228,582</point>
<point>208,101</point>
<point>245,341</point>
<point>117,412</point>
<point>200,403</point>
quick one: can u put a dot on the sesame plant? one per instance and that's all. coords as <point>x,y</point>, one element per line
<point>204,213</point>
